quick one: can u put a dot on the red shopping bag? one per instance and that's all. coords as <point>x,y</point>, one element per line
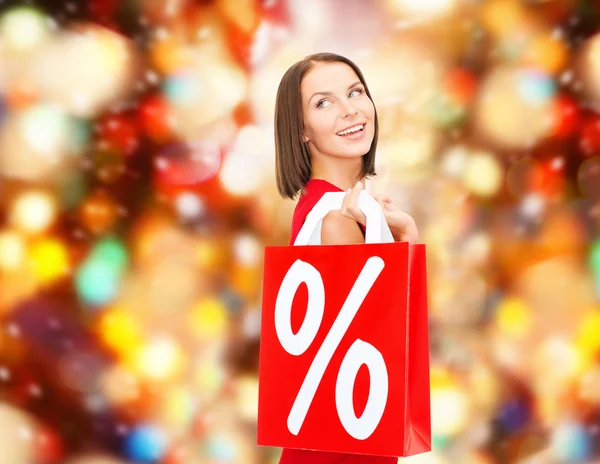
<point>344,356</point>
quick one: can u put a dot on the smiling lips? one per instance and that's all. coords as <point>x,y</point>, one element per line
<point>351,130</point>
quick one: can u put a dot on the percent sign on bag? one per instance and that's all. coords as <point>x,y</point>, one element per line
<point>334,348</point>
<point>359,353</point>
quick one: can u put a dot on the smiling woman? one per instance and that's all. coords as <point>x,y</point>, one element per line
<point>325,124</point>
<point>325,138</point>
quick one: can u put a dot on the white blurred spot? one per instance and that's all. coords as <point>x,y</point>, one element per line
<point>152,77</point>
<point>189,205</point>
<point>23,29</point>
<point>161,33</point>
<point>251,324</point>
<point>4,374</point>
<point>249,163</point>
<point>35,390</point>
<point>454,161</point>
<point>25,433</point>
<point>13,330</point>
<point>532,206</point>
<point>247,249</point>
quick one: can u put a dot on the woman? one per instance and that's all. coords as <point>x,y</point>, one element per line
<point>325,140</point>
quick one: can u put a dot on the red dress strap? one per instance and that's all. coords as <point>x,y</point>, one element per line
<point>313,191</point>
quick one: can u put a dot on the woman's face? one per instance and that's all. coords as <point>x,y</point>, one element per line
<point>334,100</point>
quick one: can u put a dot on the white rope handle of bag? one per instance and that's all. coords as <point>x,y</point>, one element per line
<point>377,229</point>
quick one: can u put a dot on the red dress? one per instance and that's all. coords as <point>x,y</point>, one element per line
<point>314,189</point>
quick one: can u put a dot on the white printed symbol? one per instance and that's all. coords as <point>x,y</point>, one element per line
<point>358,354</point>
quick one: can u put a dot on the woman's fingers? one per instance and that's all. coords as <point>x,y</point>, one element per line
<point>382,199</point>
<point>401,224</point>
<point>344,210</point>
<point>350,204</point>
<point>353,207</point>
<point>381,203</point>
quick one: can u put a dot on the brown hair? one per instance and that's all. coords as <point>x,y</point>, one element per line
<point>292,159</point>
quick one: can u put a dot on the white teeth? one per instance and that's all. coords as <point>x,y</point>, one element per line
<point>351,129</point>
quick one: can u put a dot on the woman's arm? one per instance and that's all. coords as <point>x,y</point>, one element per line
<point>340,230</point>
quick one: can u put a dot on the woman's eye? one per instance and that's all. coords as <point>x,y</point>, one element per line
<point>321,103</point>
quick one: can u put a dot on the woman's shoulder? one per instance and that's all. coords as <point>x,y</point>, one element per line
<point>313,191</point>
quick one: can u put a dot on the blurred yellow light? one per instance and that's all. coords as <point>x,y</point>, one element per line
<point>95,458</point>
<point>590,66</point>
<point>410,145</point>
<point>49,259</point>
<point>244,14</point>
<point>178,407</point>
<point>120,331</point>
<point>246,280</point>
<point>17,286</point>
<point>209,376</point>
<point>84,69</point>
<point>440,377</point>
<point>514,107</point>
<point>513,317</point>
<point>548,53</point>
<point>160,359</point>
<point>501,16</point>
<point>12,250</point>
<point>483,174</point>
<point>588,385</point>
<point>169,54</point>
<point>484,387</point>
<point>449,404</point>
<point>23,28</point>
<point>247,397</point>
<point>423,7</point>
<point>114,53</point>
<point>209,254</point>
<point>549,408</point>
<point>557,362</point>
<point>588,336</point>
<point>432,457</point>
<point>209,320</point>
<point>33,211</point>
<point>19,435</point>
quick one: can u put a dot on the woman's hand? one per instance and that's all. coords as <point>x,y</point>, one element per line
<point>401,224</point>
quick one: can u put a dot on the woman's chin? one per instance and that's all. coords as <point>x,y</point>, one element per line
<point>356,149</point>
<point>351,154</point>
<point>356,152</point>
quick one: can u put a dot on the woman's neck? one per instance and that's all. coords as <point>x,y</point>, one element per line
<point>343,173</point>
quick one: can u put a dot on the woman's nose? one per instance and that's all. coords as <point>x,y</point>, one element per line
<point>348,110</point>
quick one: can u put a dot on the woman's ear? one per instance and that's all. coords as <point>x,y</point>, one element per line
<point>304,138</point>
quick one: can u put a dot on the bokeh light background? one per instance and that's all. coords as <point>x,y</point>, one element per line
<point>137,192</point>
